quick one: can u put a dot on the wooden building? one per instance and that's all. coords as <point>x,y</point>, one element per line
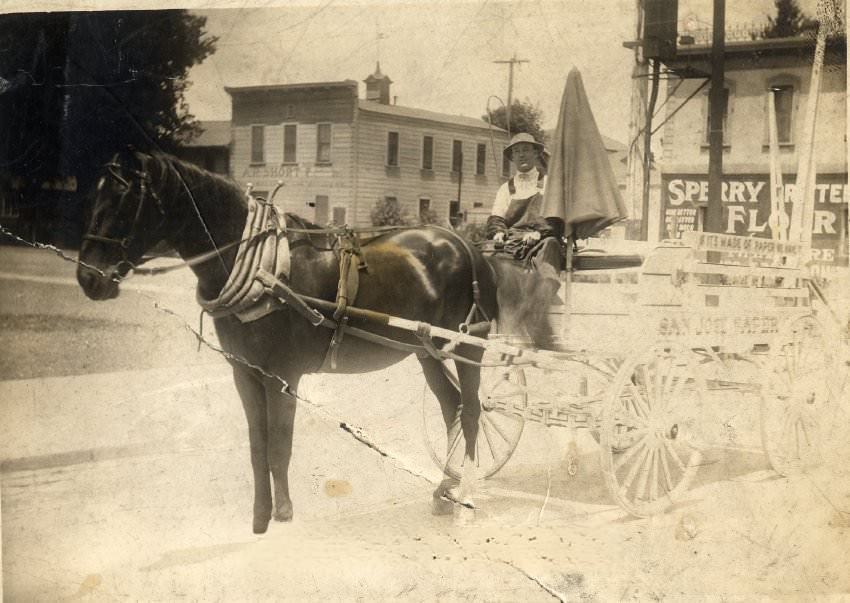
<point>339,155</point>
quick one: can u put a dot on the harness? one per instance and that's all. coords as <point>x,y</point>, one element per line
<point>264,246</point>
<point>257,284</point>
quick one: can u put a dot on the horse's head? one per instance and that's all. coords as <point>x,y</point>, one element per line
<point>127,218</point>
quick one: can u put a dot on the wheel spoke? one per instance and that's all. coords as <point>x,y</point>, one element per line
<point>647,384</point>
<point>500,431</point>
<point>644,472</point>
<point>653,476</point>
<point>628,454</point>
<point>630,476</point>
<point>486,429</point>
<point>640,405</point>
<point>452,444</point>
<point>666,467</point>
<point>672,452</point>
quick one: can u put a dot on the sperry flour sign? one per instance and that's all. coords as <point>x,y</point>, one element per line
<point>746,209</point>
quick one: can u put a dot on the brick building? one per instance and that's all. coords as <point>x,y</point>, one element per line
<point>755,69</point>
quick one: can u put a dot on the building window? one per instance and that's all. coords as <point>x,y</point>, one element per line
<point>323,143</point>
<point>427,152</point>
<point>258,144</point>
<point>480,159</point>
<point>708,115</point>
<point>506,164</point>
<point>783,101</point>
<point>322,206</point>
<point>424,208</point>
<point>457,156</point>
<point>392,149</point>
<point>455,217</point>
<point>290,143</point>
<point>339,216</point>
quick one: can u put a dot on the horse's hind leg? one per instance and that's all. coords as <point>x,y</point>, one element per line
<point>253,397</point>
<point>449,398</point>
<point>469,377</point>
<point>281,419</point>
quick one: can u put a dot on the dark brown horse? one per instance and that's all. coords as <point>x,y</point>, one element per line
<point>420,274</point>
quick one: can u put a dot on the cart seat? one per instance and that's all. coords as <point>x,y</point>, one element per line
<point>597,259</point>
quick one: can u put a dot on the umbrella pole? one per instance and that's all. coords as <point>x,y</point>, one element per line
<point>568,293</point>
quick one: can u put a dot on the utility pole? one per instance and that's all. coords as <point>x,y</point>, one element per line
<point>510,63</point>
<point>717,104</point>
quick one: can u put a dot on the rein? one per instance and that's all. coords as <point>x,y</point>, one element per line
<point>213,253</point>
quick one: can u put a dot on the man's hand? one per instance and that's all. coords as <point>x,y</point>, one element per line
<point>499,238</point>
<point>531,237</point>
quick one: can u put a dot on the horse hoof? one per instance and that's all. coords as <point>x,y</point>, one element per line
<point>283,513</point>
<point>261,526</point>
<point>283,516</point>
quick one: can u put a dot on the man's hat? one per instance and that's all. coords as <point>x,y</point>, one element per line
<point>524,137</point>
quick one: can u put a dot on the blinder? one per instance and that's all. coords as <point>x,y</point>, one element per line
<point>125,243</point>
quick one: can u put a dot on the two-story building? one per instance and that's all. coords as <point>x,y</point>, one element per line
<point>339,155</point>
<point>754,70</point>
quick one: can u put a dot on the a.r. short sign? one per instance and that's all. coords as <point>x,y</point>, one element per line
<point>746,209</point>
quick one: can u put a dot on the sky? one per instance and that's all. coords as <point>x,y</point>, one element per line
<point>439,53</point>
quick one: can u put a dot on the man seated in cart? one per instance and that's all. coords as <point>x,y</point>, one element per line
<point>516,223</point>
<point>548,205</point>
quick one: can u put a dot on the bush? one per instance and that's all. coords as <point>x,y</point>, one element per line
<point>428,216</point>
<point>388,212</point>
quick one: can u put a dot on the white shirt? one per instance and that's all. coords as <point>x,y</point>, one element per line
<point>525,185</point>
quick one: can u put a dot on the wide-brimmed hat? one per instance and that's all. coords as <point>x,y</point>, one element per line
<point>524,137</point>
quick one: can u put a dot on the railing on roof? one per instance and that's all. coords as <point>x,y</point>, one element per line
<point>739,32</point>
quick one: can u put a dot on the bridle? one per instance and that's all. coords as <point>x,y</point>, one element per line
<point>126,242</point>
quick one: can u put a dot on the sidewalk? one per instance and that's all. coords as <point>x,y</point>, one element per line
<point>58,421</point>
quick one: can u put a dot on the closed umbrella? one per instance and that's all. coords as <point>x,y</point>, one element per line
<point>581,189</point>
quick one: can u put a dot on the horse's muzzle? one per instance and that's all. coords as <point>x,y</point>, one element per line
<point>95,285</point>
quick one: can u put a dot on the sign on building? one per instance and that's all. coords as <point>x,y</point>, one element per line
<point>746,210</point>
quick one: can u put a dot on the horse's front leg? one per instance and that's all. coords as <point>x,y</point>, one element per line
<point>253,397</point>
<point>281,419</point>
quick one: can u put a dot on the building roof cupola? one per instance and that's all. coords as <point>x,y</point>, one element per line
<point>378,86</point>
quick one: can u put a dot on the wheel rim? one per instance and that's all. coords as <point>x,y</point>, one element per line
<point>503,397</point>
<point>796,396</point>
<point>651,403</point>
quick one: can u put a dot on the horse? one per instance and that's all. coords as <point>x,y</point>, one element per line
<point>423,274</point>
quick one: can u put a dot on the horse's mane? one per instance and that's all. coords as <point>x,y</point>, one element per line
<point>296,221</point>
<point>184,174</point>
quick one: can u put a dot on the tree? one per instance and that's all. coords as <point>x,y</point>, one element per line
<point>789,21</point>
<point>525,117</point>
<point>77,87</point>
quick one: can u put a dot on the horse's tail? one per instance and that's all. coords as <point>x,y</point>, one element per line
<point>523,298</point>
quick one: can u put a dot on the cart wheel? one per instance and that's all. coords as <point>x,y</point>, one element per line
<point>797,399</point>
<point>650,410</point>
<point>503,398</point>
